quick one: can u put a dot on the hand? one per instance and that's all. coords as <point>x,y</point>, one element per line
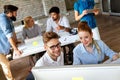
<point>96,11</point>
<point>115,57</point>
<point>17,52</point>
<point>60,27</point>
<point>84,12</point>
<point>18,42</point>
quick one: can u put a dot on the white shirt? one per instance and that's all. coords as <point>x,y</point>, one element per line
<point>46,60</point>
<point>51,25</point>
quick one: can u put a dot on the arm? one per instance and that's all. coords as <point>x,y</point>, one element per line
<point>24,33</point>
<point>63,24</point>
<point>13,44</point>
<point>113,55</point>
<point>15,38</point>
<point>48,28</point>
<point>63,28</point>
<point>76,60</point>
<point>77,16</point>
<point>39,30</point>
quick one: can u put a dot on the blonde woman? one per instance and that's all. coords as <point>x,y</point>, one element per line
<point>30,29</point>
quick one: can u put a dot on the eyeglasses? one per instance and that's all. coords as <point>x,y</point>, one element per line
<point>55,46</point>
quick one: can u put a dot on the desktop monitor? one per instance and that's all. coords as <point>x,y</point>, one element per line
<point>81,72</point>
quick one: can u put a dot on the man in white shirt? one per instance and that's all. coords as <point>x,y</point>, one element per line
<point>56,22</point>
<point>53,55</point>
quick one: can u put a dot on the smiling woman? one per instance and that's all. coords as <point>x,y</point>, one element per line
<point>91,51</point>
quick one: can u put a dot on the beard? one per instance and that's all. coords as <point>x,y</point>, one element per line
<point>13,18</point>
<point>54,19</point>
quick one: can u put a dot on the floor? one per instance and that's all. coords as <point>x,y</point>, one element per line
<point>109,27</point>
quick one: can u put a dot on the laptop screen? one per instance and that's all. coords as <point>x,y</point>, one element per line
<point>81,72</point>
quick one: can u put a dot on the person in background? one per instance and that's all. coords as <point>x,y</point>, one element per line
<point>91,51</point>
<point>56,22</point>
<point>84,11</point>
<point>8,38</point>
<point>30,29</point>
<point>53,55</point>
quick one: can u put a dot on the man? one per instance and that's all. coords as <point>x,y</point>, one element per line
<point>53,55</point>
<point>56,22</point>
<point>59,24</point>
<point>7,38</point>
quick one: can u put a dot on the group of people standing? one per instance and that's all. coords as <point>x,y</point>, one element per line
<point>90,50</point>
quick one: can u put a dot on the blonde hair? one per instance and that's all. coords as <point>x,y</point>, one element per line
<point>26,21</point>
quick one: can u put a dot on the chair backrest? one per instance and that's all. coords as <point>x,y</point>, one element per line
<point>2,76</point>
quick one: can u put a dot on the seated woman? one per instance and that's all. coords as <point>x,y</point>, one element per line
<point>30,29</point>
<point>91,51</point>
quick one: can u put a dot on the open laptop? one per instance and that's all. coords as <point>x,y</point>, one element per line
<point>81,72</point>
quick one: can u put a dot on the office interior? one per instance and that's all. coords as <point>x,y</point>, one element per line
<point>107,22</point>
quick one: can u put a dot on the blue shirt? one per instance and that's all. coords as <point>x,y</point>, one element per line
<point>6,31</point>
<point>81,5</point>
<point>82,56</point>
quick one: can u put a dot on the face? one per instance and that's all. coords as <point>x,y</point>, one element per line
<point>53,48</point>
<point>13,15</point>
<point>31,22</point>
<point>54,16</point>
<point>85,38</point>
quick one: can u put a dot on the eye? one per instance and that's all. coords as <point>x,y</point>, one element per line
<point>80,38</point>
<point>86,37</point>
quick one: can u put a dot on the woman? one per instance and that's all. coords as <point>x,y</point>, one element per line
<point>91,51</point>
<point>84,12</point>
<point>30,29</point>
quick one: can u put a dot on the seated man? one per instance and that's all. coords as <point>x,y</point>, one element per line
<point>56,22</point>
<point>59,24</point>
<point>53,55</point>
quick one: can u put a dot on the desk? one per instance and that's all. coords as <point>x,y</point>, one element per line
<point>35,45</point>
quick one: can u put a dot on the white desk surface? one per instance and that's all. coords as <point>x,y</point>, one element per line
<point>35,45</point>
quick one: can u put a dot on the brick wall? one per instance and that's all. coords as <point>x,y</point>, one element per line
<point>38,9</point>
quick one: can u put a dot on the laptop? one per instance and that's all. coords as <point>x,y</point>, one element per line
<point>80,72</point>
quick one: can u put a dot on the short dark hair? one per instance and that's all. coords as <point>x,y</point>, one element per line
<point>55,10</point>
<point>10,8</point>
<point>47,36</point>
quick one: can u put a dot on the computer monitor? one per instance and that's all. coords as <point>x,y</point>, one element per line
<point>81,72</point>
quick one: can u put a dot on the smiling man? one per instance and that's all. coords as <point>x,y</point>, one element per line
<point>53,55</point>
